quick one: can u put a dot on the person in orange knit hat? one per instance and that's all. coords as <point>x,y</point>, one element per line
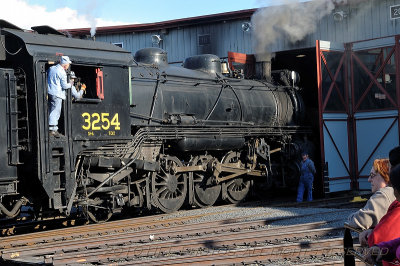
<point>388,227</point>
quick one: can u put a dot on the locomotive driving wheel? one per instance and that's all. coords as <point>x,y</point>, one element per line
<point>167,188</point>
<point>235,190</point>
<point>206,192</point>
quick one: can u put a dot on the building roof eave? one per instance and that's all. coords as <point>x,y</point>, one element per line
<point>241,14</point>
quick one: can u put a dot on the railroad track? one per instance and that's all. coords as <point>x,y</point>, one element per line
<point>172,239</point>
<point>23,225</point>
<point>159,240</point>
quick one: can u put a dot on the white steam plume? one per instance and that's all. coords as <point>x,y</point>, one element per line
<point>90,10</point>
<point>93,30</point>
<point>292,20</point>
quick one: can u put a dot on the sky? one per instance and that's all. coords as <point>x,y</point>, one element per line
<point>69,14</point>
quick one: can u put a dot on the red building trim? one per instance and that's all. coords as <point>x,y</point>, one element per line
<point>176,23</point>
<point>320,117</point>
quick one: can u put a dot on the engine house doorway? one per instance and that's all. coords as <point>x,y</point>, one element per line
<point>303,61</point>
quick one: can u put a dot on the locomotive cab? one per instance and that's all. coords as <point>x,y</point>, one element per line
<point>33,158</point>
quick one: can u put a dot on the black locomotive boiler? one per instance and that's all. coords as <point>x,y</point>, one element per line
<point>145,135</point>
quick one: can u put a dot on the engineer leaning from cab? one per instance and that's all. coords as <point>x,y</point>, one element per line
<point>57,85</point>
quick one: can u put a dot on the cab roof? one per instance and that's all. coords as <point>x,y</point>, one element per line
<point>54,45</point>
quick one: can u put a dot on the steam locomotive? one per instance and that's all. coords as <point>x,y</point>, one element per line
<point>146,134</point>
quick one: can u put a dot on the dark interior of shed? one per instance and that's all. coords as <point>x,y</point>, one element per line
<point>304,62</point>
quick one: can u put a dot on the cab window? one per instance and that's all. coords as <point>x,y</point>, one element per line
<point>92,79</point>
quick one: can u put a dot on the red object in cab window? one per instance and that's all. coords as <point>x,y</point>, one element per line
<point>99,84</point>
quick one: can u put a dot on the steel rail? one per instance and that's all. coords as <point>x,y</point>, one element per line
<point>221,252</point>
<point>201,230</point>
<point>213,243</point>
<point>243,257</point>
<point>114,227</point>
<point>93,229</point>
<point>274,252</point>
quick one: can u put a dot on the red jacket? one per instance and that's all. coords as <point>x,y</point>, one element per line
<point>388,227</point>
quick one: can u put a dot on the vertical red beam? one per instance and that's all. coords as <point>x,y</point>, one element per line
<point>320,111</point>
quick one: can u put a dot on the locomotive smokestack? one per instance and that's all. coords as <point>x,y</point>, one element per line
<point>263,66</point>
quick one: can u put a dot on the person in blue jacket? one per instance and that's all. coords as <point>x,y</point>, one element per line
<point>56,86</point>
<point>307,172</point>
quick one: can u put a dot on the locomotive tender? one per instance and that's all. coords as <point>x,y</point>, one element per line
<point>145,134</point>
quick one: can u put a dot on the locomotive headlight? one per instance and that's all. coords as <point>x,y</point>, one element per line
<point>295,77</point>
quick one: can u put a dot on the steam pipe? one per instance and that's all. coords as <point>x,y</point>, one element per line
<point>297,106</point>
<point>153,103</point>
<point>215,104</point>
<point>15,210</point>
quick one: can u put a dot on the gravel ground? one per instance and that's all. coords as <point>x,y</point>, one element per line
<point>291,215</point>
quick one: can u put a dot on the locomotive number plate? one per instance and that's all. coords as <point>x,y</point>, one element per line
<point>100,121</point>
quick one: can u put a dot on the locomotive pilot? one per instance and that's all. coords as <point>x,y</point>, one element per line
<point>56,86</point>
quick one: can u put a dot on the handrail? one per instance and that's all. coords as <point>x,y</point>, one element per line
<point>349,252</point>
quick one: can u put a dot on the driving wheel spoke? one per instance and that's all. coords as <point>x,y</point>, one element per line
<point>206,192</point>
<point>169,190</point>
<point>237,189</point>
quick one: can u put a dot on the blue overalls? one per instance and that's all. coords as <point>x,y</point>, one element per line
<point>56,86</point>
<point>307,171</point>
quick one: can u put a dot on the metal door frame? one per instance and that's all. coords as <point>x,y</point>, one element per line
<point>321,47</point>
<point>391,43</point>
<point>348,60</point>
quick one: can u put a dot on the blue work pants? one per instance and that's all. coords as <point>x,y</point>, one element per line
<point>305,184</point>
<point>54,104</point>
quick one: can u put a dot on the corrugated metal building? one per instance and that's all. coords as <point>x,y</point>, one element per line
<point>350,69</point>
<point>181,38</point>
<point>220,33</point>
